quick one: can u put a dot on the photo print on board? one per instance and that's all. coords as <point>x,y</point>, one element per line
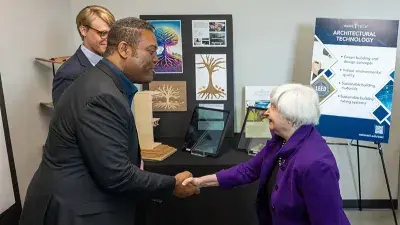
<point>169,96</point>
<point>211,77</point>
<point>169,40</point>
<point>209,33</point>
<point>322,60</point>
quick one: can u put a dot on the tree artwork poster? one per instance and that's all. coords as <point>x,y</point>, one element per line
<point>169,41</point>
<point>169,96</point>
<point>211,77</point>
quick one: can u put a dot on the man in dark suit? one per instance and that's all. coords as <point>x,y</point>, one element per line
<point>93,23</point>
<point>89,172</point>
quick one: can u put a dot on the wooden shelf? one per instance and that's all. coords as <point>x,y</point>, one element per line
<point>47,105</point>
<point>55,60</point>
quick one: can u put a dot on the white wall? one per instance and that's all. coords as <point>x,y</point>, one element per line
<point>272,45</point>
<point>29,29</point>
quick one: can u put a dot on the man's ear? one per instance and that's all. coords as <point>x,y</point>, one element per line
<point>83,30</point>
<point>123,49</point>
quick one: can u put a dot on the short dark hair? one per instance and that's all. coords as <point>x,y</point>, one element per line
<point>127,29</point>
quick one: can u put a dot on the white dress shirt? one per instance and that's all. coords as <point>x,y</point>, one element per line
<point>93,57</point>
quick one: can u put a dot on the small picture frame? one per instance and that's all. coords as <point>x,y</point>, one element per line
<point>255,131</point>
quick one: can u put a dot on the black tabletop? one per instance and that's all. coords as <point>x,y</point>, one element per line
<point>214,206</point>
<point>228,156</point>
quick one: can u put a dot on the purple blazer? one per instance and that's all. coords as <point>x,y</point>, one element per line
<point>307,182</point>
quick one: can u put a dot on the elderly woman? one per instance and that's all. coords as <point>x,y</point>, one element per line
<point>299,178</point>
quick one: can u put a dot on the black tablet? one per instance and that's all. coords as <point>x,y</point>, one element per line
<point>206,131</point>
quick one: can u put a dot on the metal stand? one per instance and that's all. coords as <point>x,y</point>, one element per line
<point>359,177</point>
<point>358,169</point>
<point>387,182</point>
<point>380,150</point>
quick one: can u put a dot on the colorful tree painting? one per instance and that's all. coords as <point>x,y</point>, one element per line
<point>169,53</point>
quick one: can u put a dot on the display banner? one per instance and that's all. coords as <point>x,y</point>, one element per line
<point>353,69</point>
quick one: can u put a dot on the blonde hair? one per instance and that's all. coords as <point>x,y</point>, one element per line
<point>85,16</point>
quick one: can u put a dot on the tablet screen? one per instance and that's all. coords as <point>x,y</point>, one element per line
<point>206,130</point>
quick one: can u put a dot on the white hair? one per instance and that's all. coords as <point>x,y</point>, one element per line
<point>297,103</point>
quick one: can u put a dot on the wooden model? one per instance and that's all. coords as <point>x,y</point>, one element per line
<point>142,109</point>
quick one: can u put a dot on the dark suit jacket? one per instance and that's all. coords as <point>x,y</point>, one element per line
<point>68,72</point>
<point>89,172</point>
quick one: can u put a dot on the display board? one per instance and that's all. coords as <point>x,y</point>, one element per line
<point>195,68</point>
<point>255,131</point>
<point>10,205</point>
<point>257,96</point>
<point>353,69</point>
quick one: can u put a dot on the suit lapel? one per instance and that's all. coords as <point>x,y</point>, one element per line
<point>83,60</point>
<point>269,163</point>
<point>106,69</point>
<point>285,152</point>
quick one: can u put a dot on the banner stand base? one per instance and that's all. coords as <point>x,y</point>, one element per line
<point>380,150</point>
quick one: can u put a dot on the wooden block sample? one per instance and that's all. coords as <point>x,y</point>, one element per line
<point>158,153</point>
<point>169,95</point>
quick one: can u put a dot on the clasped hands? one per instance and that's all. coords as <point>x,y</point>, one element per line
<point>184,188</point>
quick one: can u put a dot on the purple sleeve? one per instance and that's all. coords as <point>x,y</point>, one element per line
<point>320,187</point>
<point>247,172</point>
<point>242,173</point>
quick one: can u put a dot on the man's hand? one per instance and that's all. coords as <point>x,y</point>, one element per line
<point>184,191</point>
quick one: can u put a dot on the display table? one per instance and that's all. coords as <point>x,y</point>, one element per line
<point>213,205</point>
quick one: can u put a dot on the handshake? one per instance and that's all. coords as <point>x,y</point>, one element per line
<point>183,185</point>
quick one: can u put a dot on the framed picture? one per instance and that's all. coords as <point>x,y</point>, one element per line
<point>255,131</point>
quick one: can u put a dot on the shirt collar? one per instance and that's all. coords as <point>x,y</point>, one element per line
<point>128,87</point>
<point>93,57</point>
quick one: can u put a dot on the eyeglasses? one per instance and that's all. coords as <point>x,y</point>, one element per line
<point>102,34</point>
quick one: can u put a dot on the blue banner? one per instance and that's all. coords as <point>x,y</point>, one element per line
<point>377,33</point>
<point>353,71</point>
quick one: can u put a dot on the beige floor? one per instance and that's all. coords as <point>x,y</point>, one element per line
<point>372,217</point>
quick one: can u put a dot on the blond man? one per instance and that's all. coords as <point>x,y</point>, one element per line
<point>93,24</point>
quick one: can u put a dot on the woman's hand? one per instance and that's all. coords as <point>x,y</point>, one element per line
<point>193,180</point>
<point>199,182</point>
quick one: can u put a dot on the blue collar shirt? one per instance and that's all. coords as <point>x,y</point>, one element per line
<point>128,87</point>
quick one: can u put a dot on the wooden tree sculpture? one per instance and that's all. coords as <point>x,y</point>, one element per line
<point>168,93</point>
<point>212,65</point>
<point>143,113</point>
